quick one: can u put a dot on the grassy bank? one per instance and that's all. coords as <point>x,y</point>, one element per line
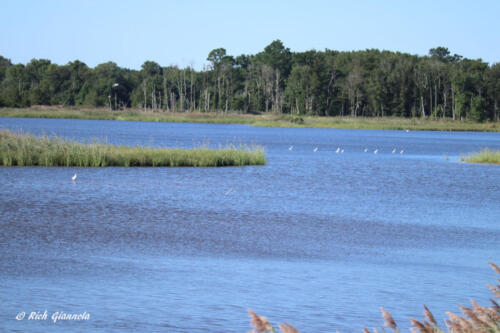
<point>271,120</point>
<point>484,156</point>
<point>28,150</point>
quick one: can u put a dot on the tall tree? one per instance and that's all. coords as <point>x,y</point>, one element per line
<point>279,59</point>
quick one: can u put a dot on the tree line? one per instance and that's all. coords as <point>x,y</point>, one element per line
<point>369,83</point>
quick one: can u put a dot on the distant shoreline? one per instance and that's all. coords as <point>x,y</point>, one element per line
<point>267,120</point>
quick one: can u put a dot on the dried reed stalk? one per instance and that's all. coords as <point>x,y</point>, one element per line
<point>389,321</point>
<point>260,324</point>
<point>287,328</point>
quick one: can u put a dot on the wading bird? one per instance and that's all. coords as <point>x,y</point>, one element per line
<point>315,149</point>
<point>74,177</point>
<point>375,151</point>
<point>290,148</point>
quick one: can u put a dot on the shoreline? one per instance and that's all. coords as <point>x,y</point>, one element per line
<point>261,120</point>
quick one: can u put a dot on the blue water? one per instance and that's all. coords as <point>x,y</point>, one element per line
<point>318,239</point>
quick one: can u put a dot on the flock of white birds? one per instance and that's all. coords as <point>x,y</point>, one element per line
<point>341,150</point>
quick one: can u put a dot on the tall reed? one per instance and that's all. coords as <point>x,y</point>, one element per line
<point>476,319</point>
<point>24,149</point>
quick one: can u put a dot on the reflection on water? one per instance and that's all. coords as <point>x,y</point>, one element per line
<point>320,239</point>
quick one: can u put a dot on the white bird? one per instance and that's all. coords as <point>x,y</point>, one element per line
<point>407,131</point>
<point>315,149</point>
<point>375,151</point>
<point>74,177</point>
<point>342,151</point>
<point>366,150</point>
<point>290,148</point>
<point>115,85</point>
<point>394,150</point>
<point>338,150</point>
<point>401,152</point>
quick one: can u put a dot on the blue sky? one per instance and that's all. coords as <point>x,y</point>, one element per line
<point>184,32</point>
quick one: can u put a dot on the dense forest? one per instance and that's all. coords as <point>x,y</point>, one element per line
<point>368,83</point>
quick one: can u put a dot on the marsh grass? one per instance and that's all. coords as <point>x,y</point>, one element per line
<point>484,156</point>
<point>266,120</point>
<point>24,149</point>
<point>476,319</point>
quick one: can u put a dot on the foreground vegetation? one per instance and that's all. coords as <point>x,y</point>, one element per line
<point>477,319</point>
<point>368,83</point>
<point>28,150</point>
<point>484,156</point>
<point>389,123</point>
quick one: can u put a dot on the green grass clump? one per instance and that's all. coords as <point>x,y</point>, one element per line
<point>484,156</point>
<point>27,150</point>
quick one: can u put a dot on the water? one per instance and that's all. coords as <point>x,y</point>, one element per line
<point>317,239</point>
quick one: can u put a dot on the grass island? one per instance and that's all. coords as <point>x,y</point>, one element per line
<point>25,149</point>
<point>485,156</point>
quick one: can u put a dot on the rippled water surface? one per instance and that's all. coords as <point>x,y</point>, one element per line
<point>318,239</point>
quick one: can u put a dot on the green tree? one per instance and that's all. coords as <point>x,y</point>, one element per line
<point>15,87</point>
<point>492,78</point>
<point>298,92</point>
<point>477,112</point>
<point>440,53</point>
<point>278,58</point>
<point>4,64</point>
